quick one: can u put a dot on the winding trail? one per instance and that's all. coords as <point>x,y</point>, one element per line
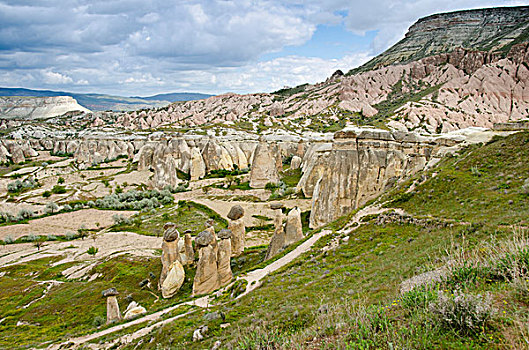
<point>253,278</point>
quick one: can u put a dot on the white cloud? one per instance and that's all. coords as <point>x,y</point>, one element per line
<point>55,78</point>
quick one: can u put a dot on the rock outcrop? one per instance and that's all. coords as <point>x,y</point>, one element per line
<point>207,276</point>
<point>133,310</point>
<point>38,107</point>
<point>359,166</point>
<point>172,274</point>
<point>264,166</point>
<point>224,257</point>
<point>238,230</point>
<point>278,241</point>
<point>113,313</point>
<point>293,227</point>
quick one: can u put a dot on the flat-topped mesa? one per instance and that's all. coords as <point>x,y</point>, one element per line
<point>489,29</point>
<point>359,165</point>
<point>38,107</point>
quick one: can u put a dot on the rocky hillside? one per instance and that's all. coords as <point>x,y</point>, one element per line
<point>493,29</point>
<point>38,107</point>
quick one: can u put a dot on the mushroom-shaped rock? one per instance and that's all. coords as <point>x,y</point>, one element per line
<point>236,212</point>
<point>170,250</point>
<point>174,280</point>
<point>204,238</point>
<point>113,313</point>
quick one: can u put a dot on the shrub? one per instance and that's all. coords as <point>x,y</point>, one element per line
<point>25,213</point>
<point>46,194</point>
<point>51,207</point>
<point>19,186</point>
<point>67,207</point>
<point>98,321</point>
<point>57,189</point>
<point>60,180</point>
<point>92,251</point>
<point>419,297</point>
<point>70,236</point>
<point>120,219</point>
<point>9,240</point>
<point>52,238</point>
<point>461,312</point>
<point>30,238</point>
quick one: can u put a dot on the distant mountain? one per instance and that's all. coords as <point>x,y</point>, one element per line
<point>492,30</point>
<point>176,96</point>
<point>100,102</point>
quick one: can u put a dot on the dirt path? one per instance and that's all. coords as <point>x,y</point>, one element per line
<point>253,278</point>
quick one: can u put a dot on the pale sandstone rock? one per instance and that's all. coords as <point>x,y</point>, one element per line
<point>236,212</point>
<point>133,310</point>
<point>224,258</point>
<point>170,251</point>
<point>293,229</point>
<point>295,163</point>
<point>264,167</point>
<point>189,252</point>
<point>174,280</point>
<point>207,276</point>
<point>277,243</point>
<point>238,236</point>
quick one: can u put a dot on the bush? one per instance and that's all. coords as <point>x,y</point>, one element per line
<point>57,189</point>
<point>98,321</point>
<point>92,251</point>
<point>51,207</point>
<point>30,238</point>
<point>46,194</point>
<point>19,186</point>
<point>25,213</point>
<point>52,238</point>
<point>462,312</point>
<point>70,236</point>
<point>67,207</point>
<point>60,180</point>
<point>120,219</point>
<point>9,240</point>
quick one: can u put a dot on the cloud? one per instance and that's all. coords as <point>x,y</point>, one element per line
<point>139,47</point>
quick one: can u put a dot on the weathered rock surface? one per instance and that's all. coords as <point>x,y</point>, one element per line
<point>293,228</point>
<point>238,236</point>
<point>264,167</point>
<point>174,280</point>
<point>236,212</point>
<point>189,252</point>
<point>360,165</point>
<point>278,241</point>
<point>224,258</point>
<point>170,253</point>
<point>133,310</point>
<point>38,107</point>
<point>207,276</point>
<point>295,163</point>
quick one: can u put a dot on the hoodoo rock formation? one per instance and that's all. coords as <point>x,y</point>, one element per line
<point>237,229</point>
<point>207,275</point>
<point>173,274</point>
<point>224,257</point>
<point>358,166</point>
<point>264,166</point>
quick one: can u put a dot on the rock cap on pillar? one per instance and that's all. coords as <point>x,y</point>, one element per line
<point>204,238</point>
<point>170,232</point>
<point>110,292</point>
<point>276,205</point>
<point>236,212</point>
<point>224,234</point>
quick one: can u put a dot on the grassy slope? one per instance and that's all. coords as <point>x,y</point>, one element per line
<point>369,268</point>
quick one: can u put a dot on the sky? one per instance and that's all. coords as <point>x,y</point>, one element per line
<point>145,47</point>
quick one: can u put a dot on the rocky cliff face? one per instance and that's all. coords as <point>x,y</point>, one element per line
<point>493,29</point>
<point>38,107</point>
<point>357,167</point>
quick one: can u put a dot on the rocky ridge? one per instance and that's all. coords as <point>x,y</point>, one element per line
<point>38,107</point>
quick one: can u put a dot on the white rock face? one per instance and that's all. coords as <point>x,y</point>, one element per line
<point>38,107</point>
<point>133,310</point>
<point>264,167</point>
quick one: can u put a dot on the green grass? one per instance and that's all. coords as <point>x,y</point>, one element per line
<point>188,216</point>
<point>481,185</point>
<point>291,177</point>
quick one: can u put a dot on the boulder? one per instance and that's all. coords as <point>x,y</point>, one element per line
<point>174,280</point>
<point>204,238</point>
<point>133,310</point>
<point>170,232</point>
<point>295,163</point>
<point>293,229</point>
<point>236,212</point>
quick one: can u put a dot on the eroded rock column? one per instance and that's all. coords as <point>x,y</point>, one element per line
<point>224,257</point>
<point>278,240</point>
<point>173,275</point>
<point>293,229</point>
<point>238,230</point>
<point>207,276</point>
<point>113,313</point>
